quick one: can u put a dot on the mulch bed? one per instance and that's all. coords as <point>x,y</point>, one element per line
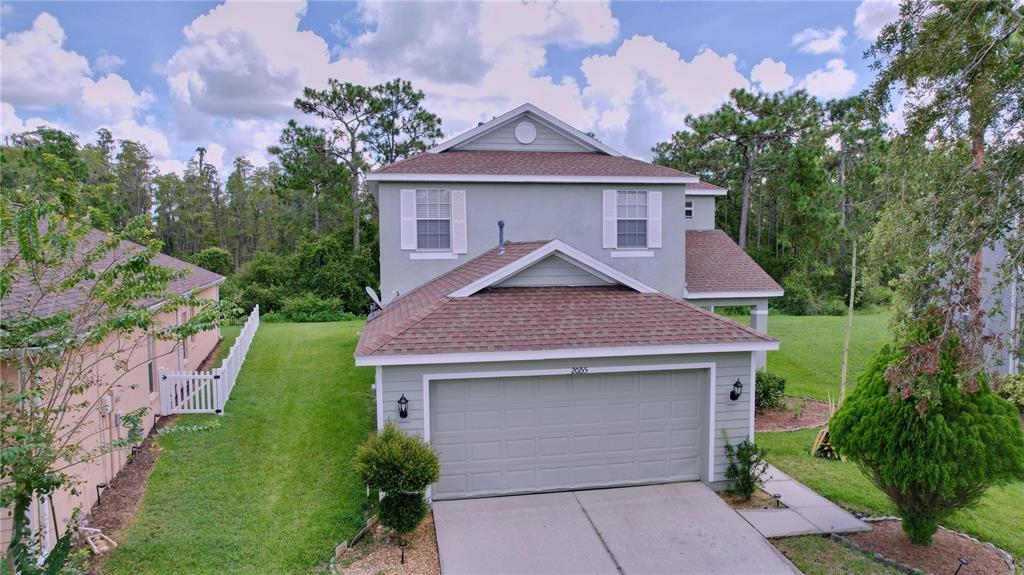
<point>942,557</point>
<point>120,501</point>
<point>815,414</point>
<point>378,552</point>
<point>760,500</point>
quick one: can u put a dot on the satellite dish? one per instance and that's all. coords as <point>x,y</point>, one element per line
<point>373,295</point>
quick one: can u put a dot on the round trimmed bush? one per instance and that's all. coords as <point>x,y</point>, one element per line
<point>395,462</point>
<point>934,462</point>
<point>402,512</point>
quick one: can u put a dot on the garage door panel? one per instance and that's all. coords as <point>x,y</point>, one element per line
<point>551,433</point>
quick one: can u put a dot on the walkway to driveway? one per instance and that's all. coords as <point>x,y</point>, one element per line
<point>672,528</point>
<point>808,513</point>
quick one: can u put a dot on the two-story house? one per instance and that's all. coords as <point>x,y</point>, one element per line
<point>546,321</point>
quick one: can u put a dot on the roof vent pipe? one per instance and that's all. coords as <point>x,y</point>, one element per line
<point>501,237</point>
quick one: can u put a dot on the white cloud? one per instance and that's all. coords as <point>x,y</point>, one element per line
<point>820,41</point>
<point>833,81</point>
<point>37,71</point>
<point>106,62</point>
<point>111,99</point>
<point>873,15</point>
<point>570,24</point>
<point>10,123</point>
<point>771,75</point>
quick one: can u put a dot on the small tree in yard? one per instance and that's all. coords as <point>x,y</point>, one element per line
<point>51,393</point>
<point>930,455</point>
<point>746,467</point>
<point>401,467</point>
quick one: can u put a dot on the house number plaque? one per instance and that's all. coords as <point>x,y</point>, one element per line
<point>577,370</point>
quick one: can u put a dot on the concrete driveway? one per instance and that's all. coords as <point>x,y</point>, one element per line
<point>672,528</point>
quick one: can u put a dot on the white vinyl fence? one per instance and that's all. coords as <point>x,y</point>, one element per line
<point>207,391</point>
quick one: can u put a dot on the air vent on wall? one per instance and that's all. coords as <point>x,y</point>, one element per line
<point>526,132</point>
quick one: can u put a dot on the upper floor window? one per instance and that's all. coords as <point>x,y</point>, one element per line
<point>433,219</point>
<point>631,219</point>
<point>688,210</point>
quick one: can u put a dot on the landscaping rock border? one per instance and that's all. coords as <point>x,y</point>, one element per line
<point>1004,555</point>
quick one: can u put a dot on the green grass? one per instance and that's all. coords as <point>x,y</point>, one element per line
<point>816,555</point>
<point>997,519</point>
<point>810,356</point>
<point>272,489</point>
<point>228,334</point>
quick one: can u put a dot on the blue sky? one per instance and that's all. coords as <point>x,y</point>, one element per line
<point>177,75</point>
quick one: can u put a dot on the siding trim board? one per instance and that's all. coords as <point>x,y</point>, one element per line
<point>707,368</point>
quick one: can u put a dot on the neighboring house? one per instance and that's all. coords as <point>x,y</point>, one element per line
<point>138,388</point>
<point>1005,311</point>
<point>570,355</point>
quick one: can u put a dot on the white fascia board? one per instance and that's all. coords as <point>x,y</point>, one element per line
<point>731,294</point>
<point>721,192</point>
<point>572,353</point>
<point>568,130</point>
<point>530,178</point>
<point>568,253</point>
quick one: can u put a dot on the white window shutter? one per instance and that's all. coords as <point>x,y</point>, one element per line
<point>654,219</point>
<point>610,240</point>
<point>408,219</point>
<point>459,237</point>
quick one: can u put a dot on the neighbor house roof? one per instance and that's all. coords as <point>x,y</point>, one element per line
<point>429,320</point>
<point>24,298</point>
<point>717,267</point>
<point>491,165</point>
<point>705,189</point>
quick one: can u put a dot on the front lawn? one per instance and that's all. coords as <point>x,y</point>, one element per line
<point>811,353</point>
<point>998,518</point>
<point>817,555</point>
<point>271,490</point>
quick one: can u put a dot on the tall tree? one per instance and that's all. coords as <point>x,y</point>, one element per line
<point>955,177</point>
<point>401,126</point>
<point>747,126</point>
<point>134,173</point>
<point>348,108</point>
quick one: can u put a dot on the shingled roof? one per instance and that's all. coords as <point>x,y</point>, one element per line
<point>428,321</point>
<point>24,298</point>
<point>519,163</point>
<point>715,264</point>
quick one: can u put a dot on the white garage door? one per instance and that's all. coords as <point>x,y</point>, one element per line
<point>524,434</point>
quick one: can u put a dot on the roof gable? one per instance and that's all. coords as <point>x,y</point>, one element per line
<point>556,270</point>
<point>564,251</point>
<point>498,134</point>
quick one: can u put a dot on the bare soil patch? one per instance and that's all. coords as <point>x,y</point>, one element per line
<point>378,552</point>
<point>120,501</point>
<point>799,413</point>
<point>759,500</point>
<point>943,556</point>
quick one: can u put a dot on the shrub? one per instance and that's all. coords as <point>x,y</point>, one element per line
<point>933,462</point>
<point>1011,388</point>
<point>393,461</point>
<point>401,466</point>
<point>309,308</point>
<point>769,391</point>
<point>746,467</point>
<point>217,260</point>
<point>402,512</point>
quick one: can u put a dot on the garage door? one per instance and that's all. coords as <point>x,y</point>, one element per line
<point>525,434</point>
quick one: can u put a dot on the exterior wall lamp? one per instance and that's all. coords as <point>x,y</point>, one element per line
<point>403,407</point>
<point>737,390</point>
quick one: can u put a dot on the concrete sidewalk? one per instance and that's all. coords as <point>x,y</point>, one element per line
<point>671,528</point>
<point>807,512</point>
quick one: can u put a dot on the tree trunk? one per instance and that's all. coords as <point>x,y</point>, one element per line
<point>842,182</point>
<point>748,175</point>
<point>849,326</point>
<point>353,167</point>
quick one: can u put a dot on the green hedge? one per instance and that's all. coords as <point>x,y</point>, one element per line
<point>308,308</point>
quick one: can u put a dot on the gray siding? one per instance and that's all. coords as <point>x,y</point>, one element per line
<point>1002,304</point>
<point>569,212</point>
<point>504,138</point>
<point>703,213</point>
<point>732,417</point>
<point>553,271</point>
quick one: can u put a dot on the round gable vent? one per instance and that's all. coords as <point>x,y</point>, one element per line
<point>526,132</point>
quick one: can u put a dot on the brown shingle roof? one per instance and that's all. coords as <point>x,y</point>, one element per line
<point>426,321</point>
<point>23,297</point>
<point>506,163</point>
<point>714,263</point>
<point>706,186</point>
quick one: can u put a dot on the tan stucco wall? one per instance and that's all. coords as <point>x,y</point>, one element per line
<point>130,393</point>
